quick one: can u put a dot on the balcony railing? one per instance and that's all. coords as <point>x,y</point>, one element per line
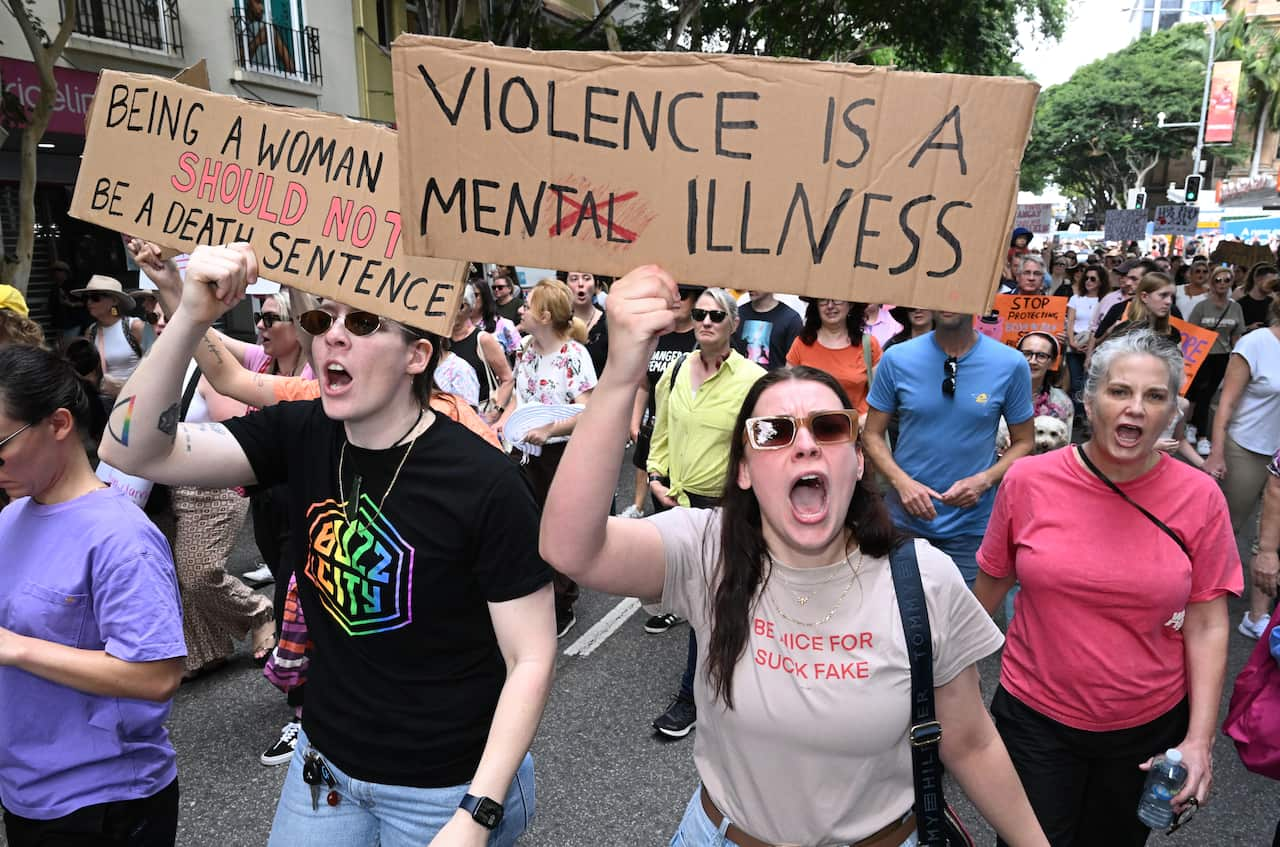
<point>152,24</point>
<point>276,49</point>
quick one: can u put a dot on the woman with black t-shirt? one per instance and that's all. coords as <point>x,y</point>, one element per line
<point>1259,288</point>
<point>429,608</point>
<point>582,286</point>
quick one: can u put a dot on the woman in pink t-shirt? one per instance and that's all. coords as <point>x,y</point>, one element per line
<point>1118,647</point>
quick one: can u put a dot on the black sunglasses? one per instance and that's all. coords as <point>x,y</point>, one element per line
<point>950,367</point>
<point>94,298</point>
<point>700,315</point>
<point>318,321</point>
<point>270,319</point>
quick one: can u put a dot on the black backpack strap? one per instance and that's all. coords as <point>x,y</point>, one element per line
<point>925,732</point>
<point>189,393</point>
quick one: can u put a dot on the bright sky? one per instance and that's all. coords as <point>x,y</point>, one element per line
<point>1094,29</point>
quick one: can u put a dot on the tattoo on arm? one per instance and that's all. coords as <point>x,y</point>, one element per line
<point>212,347</point>
<point>121,433</point>
<point>168,423</point>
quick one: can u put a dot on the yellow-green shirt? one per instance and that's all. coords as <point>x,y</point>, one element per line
<point>692,432</point>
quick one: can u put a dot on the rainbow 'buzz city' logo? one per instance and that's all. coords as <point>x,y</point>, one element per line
<point>362,569</point>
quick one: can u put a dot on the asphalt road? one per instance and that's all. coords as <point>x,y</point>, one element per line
<point>603,777</point>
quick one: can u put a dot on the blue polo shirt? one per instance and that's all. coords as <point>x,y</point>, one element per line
<point>943,438</point>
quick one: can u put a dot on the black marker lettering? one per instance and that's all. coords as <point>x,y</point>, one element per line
<point>863,232</point>
<point>722,124</point>
<point>592,115</point>
<point>949,237</point>
<point>910,233</point>
<point>957,145</point>
<point>451,114</point>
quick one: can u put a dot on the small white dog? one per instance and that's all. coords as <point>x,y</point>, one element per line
<point>1051,434</point>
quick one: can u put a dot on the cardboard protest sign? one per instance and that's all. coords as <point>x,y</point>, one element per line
<point>1037,217</point>
<point>1196,344</point>
<point>1246,255</point>
<point>1017,314</point>
<point>315,194</point>
<point>1125,225</point>
<point>1177,220</point>
<point>812,178</point>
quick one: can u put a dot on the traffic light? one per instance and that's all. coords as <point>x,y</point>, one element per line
<point>1140,200</point>
<point>1191,189</point>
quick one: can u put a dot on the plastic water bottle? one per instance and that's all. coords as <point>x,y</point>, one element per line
<point>1164,780</point>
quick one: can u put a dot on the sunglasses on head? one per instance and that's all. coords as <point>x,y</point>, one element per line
<point>270,319</point>
<point>318,321</point>
<point>949,369</point>
<point>774,432</point>
<point>700,315</point>
<point>10,437</point>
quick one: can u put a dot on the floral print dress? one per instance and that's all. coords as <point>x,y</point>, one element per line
<point>555,378</point>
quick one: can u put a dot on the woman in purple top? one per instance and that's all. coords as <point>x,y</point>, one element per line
<point>91,640</point>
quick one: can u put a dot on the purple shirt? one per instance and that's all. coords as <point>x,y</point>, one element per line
<point>96,574</point>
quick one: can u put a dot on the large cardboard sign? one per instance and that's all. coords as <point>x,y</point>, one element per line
<point>801,177</point>
<point>1245,255</point>
<point>1126,224</point>
<point>1196,344</point>
<point>1177,220</point>
<point>1017,314</point>
<point>315,194</point>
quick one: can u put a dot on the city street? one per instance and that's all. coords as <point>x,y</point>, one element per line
<point>604,778</point>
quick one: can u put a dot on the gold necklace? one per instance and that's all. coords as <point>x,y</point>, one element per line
<point>355,493</point>
<point>802,599</point>
<point>853,577</point>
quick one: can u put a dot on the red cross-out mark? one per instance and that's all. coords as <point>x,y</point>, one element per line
<point>568,221</point>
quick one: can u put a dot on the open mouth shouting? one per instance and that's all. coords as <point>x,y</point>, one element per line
<point>809,498</point>
<point>335,379</point>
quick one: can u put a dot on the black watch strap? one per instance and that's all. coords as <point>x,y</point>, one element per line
<point>486,812</point>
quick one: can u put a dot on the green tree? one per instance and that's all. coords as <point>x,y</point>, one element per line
<point>960,36</point>
<point>44,53</point>
<point>1096,135</point>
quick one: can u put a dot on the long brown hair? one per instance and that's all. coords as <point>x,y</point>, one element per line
<point>1138,313</point>
<point>740,575</point>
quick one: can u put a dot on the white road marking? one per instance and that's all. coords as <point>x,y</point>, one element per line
<point>603,628</point>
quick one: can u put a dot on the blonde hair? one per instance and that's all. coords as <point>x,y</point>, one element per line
<point>1137,311</point>
<point>17,329</point>
<point>552,298</point>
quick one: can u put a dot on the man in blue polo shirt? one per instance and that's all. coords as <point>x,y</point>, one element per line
<point>949,389</point>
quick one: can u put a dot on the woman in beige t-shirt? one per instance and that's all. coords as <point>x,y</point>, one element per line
<point>803,685</point>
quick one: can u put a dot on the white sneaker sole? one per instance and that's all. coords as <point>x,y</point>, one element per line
<point>272,761</point>
<point>677,733</point>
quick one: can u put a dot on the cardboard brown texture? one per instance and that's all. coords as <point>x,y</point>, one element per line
<point>315,194</point>
<point>1238,253</point>
<point>810,178</point>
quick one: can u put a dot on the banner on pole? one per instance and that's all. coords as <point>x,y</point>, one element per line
<point>1220,123</point>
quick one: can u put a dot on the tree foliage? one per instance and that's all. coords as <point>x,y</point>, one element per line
<point>961,36</point>
<point>1096,134</point>
<point>1253,42</point>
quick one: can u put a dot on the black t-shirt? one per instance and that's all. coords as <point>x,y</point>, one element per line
<point>671,347</point>
<point>598,343</point>
<point>1116,313</point>
<point>406,671</point>
<point>1255,311</point>
<point>767,336</point>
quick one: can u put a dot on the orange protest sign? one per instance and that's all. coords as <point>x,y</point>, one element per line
<point>1017,314</point>
<point>1196,344</point>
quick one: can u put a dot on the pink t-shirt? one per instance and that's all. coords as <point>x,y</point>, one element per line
<point>1096,640</point>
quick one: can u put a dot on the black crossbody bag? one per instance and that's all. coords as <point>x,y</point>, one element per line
<point>1088,463</point>
<point>937,824</point>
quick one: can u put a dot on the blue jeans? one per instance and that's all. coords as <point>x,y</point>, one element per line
<point>385,815</point>
<point>696,829</point>
<point>963,550</point>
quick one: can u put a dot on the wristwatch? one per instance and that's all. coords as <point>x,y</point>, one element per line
<point>486,812</point>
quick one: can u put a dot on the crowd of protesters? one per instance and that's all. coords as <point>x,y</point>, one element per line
<point>786,454</point>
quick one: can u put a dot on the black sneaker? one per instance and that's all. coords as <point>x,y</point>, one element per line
<point>659,624</point>
<point>678,719</point>
<point>565,622</point>
<point>282,751</point>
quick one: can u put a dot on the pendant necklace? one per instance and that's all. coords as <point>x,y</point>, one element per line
<point>853,577</point>
<point>359,480</point>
